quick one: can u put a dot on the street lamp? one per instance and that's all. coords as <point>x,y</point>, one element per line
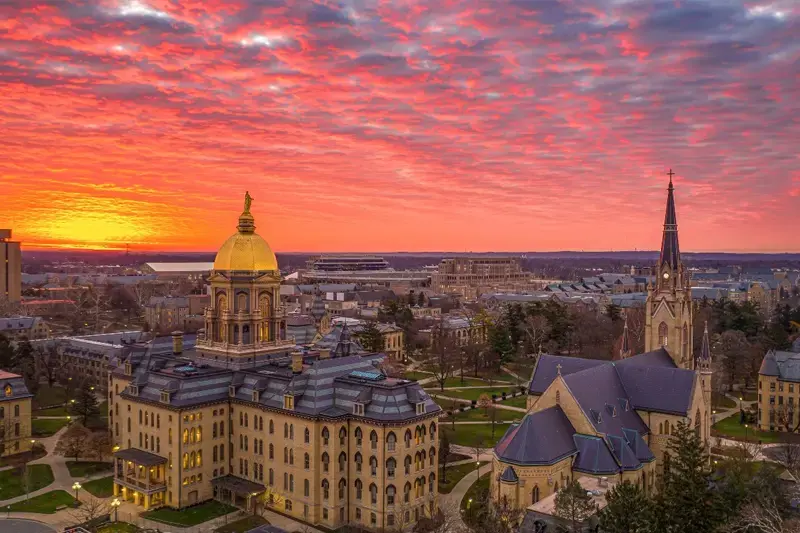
<point>745,432</point>
<point>115,505</point>
<point>76,487</point>
<point>478,467</point>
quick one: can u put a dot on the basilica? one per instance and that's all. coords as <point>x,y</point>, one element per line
<point>604,422</point>
<point>323,436</point>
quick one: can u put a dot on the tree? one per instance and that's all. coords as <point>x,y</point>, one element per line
<point>687,500</point>
<point>444,451</point>
<point>442,355</point>
<point>734,347</point>
<point>574,505</point>
<point>101,445</point>
<point>501,343</point>
<point>48,362</point>
<point>75,442</point>
<point>24,363</point>
<point>614,312</point>
<point>86,405</point>
<point>7,352</point>
<point>91,509</point>
<point>628,510</point>
<point>537,328</point>
<point>763,515</point>
<point>371,338</point>
<point>421,299</point>
<point>485,402</point>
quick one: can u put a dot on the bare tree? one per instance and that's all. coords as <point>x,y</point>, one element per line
<point>47,359</point>
<point>636,322</point>
<point>789,455</point>
<point>442,355</point>
<point>91,508</point>
<point>785,416</point>
<point>75,442</point>
<point>485,402</point>
<point>763,515</point>
<point>536,328</point>
<point>8,308</point>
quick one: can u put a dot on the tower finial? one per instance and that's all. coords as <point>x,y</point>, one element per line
<point>247,201</point>
<point>670,174</point>
<point>625,349</point>
<point>247,223</point>
<point>670,251</point>
<point>705,347</point>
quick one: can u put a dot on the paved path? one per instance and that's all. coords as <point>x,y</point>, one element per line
<point>451,503</point>
<point>496,404</point>
<point>24,526</point>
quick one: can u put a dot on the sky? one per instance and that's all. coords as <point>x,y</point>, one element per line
<point>388,125</point>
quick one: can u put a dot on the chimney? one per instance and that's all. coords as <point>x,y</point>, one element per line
<point>201,334</point>
<point>297,362</point>
<point>325,353</point>
<point>177,342</point>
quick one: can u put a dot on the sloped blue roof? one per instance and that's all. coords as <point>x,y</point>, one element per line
<point>546,369</point>
<point>661,389</point>
<point>509,475</point>
<point>658,357</point>
<point>639,447</point>
<point>623,453</point>
<point>542,438</point>
<point>594,456</point>
<point>783,365</point>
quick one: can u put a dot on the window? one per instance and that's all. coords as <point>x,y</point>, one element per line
<point>358,409</point>
<point>342,487</point>
<point>780,386</point>
<point>214,431</point>
<point>285,455</point>
<point>390,491</point>
<point>291,482</point>
<point>389,520</point>
<point>373,439</point>
<point>271,427</point>
<point>421,408</point>
<point>306,489</point>
<point>358,514</point>
<point>271,451</point>
<point>325,461</point>
<point>373,466</point>
<point>791,387</point>
<point>326,435</point>
<point>342,436</point>
<point>373,494</point>
<point>326,489</point>
<point>285,430</point>
<point>432,456</point>
<point>431,482</point>
<point>288,505</point>
<point>325,514</point>
<point>407,438</point>
<point>391,464</point>
<point>288,401</point>
<point>291,431</point>
<point>558,397</point>
<point>535,494</point>
<point>358,461</point>
<point>359,436</point>
<point>407,492</point>
<point>306,436</point>
<point>271,477</point>
<point>391,441</point>
<point>407,465</point>
<point>222,429</point>
<point>359,489</point>
<point>291,457</point>
<point>306,462</point>
<point>342,461</point>
<point>373,519</point>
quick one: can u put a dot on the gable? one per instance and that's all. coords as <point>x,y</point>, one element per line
<point>568,404</point>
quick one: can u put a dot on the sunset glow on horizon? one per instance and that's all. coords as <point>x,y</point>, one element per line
<point>372,125</point>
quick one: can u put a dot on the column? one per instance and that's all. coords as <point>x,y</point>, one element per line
<point>116,489</point>
<point>147,502</point>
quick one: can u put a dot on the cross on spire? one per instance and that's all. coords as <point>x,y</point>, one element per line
<point>670,174</point>
<point>558,368</point>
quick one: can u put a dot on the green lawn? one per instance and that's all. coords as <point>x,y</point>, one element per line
<point>12,483</point>
<point>417,375</point>
<point>730,427</point>
<point>45,427</point>
<point>190,516</point>
<point>748,396</point>
<point>720,401</point>
<point>46,503</point>
<point>102,488</point>
<point>467,394</point>
<point>48,396</point>
<point>472,493</point>
<point>118,527</point>
<point>87,468</point>
<point>243,525</point>
<point>53,411</point>
<point>517,401</point>
<point>472,434</point>
<point>479,415</point>
<point>454,475</point>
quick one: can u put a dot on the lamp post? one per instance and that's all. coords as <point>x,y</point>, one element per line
<point>745,433</point>
<point>115,505</point>
<point>478,468</point>
<point>76,487</point>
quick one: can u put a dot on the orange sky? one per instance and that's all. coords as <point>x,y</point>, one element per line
<point>365,127</point>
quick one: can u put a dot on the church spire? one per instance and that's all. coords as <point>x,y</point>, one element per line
<point>670,252</point>
<point>625,349</point>
<point>705,348</point>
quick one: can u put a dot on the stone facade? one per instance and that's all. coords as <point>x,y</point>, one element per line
<point>15,415</point>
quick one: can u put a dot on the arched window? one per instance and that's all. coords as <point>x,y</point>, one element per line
<point>558,397</point>
<point>185,460</point>
<point>407,492</point>
<point>285,455</point>
<point>326,489</point>
<point>359,460</point>
<point>342,488</point>
<point>373,466</point>
<point>291,457</point>
<point>407,438</point>
<point>342,436</point>
<point>535,494</point>
<point>432,456</point>
<point>306,461</point>
<point>359,489</point>
<point>373,439</point>
<point>431,482</point>
<point>373,493</point>
<point>199,458</point>
<point>342,461</point>
<point>685,342</point>
<point>433,431</point>
<point>663,334</point>
<point>407,464</point>
<point>271,427</point>
<point>390,492</point>
<point>215,454</point>
<point>285,430</point>
<point>291,431</point>
<point>306,436</point>
<point>222,429</point>
<point>325,461</point>
<point>221,452</point>
<point>271,451</point>
<point>185,434</point>
<point>697,430</point>
<point>192,460</point>
<point>326,435</point>
<point>391,441</point>
<point>660,428</point>
<point>271,477</point>
<point>359,436</point>
<point>391,465</point>
<point>214,431</point>
<point>306,488</point>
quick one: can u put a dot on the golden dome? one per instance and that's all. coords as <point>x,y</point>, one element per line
<point>246,250</point>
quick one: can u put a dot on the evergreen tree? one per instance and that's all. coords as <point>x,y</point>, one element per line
<point>371,338</point>
<point>628,510</point>
<point>574,505</point>
<point>614,312</point>
<point>687,501</point>
<point>24,363</point>
<point>500,341</point>
<point>6,353</point>
<point>86,405</point>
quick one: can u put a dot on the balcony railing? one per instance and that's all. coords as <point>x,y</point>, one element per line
<point>146,484</point>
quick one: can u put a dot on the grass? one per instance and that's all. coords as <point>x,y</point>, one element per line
<point>475,490</point>
<point>467,394</point>
<point>41,427</point>
<point>731,428</point>
<point>748,396</point>
<point>479,415</point>
<point>517,401</point>
<point>417,375</point>
<point>243,525</point>
<point>191,516</point>
<point>720,401</point>
<point>11,482</point>
<point>118,527</point>
<point>87,468</point>
<point>454,475</point>
<point>53,411</point>
<point>477,434</point>
<point>46,503</point>
<point>102,488</point>
<point>48,396</point>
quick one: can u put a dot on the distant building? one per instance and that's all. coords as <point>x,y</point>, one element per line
<point>10,268</point>
<point>338,263</point>
<point>185,313</point>
<point>24,327</point>
<point>301,328</point>
<point>472,276</point>
<point>779,391</point>
<point>460,329</point>
<point>15,415</point>
<point>178,271</point>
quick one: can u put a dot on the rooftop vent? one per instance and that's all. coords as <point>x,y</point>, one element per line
<point>367,376</point>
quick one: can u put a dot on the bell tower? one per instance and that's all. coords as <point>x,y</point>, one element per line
<point>669,298</point>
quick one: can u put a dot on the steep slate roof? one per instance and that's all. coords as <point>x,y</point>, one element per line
<point>594,457</point>
<point>670,251</point>
<point>17,384</point>
<point>546,370</point>
<point>509,475</point>
<point>783,365</point>
<point>660,389</point>
<point>543,438</point>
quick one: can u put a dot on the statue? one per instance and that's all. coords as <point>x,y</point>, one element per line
<point>247,201</point>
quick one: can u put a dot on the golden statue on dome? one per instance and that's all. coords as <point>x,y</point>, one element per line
<point>247,201</point>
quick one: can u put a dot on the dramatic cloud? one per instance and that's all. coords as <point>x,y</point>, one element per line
<point>400,125</point>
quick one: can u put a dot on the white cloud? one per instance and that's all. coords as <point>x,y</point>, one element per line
<point>136,8</point>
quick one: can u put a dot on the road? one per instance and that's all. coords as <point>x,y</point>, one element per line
<point>24,526</point>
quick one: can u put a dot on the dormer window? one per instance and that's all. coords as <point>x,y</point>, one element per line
<point>358,409</point>
<point>164,397</point>
<point>288,401</point>
<point>231,391</point>
<point>255,395</point>
<point>134,390</point>
<point>128,371</point>
<point>421,408</point>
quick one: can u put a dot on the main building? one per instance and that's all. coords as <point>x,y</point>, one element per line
<point>612,420</point>
<point>244,418</point>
